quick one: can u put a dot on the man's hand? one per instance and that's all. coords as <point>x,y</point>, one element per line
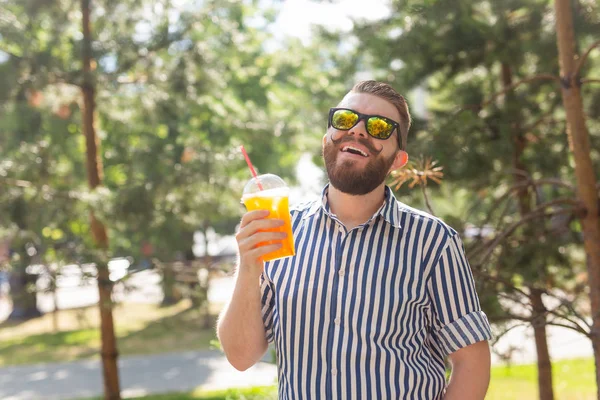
<point>470,373</point>
<point>256,228</point>
<point>240,327</point>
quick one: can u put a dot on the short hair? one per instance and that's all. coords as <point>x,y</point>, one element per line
<point>386,92</point>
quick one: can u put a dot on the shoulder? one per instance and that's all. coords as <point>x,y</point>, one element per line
<point>415,220</point>
<point>434,236</point>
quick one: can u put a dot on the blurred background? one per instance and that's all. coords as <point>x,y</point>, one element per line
<point>121,175</point>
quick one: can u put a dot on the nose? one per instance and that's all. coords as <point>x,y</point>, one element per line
<point>359,129</point>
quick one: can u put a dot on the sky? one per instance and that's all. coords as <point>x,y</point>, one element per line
<point>296,16</point>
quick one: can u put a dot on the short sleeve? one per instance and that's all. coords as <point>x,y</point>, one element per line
<point>268,304</point>
<point>456,317</point>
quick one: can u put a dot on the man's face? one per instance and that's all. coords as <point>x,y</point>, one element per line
<point>359,174</point>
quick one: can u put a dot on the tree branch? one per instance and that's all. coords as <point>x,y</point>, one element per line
<point>538,77</point>
<point>539,121</point>
<point>579,328</point>
<point>531,319</point>
<point>514,300</point>
<point>17,182</point>
<point>504,282</point>
<point>569,305</point>
<point>584,57</point>
<point>535,213</point>
<point>498,336</point>
<point>527,183</point>
<point>570,311</point>
<point>575,328</point>
<point>519,83</point>
<point>505,211</point>
<point>424,189</point>
<point>561,200</point>
<point>474,247</point>
<point>553,181</point>
<point>128,81</point>
<point>3,50</point>
<point>590,81</point>
<point>69,78</point>
<point>489,248</point>
<point>555,311</point>
<point>46,189</point>
<point>10,19</point>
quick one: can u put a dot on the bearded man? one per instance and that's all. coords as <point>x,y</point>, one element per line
<point>378,295</point>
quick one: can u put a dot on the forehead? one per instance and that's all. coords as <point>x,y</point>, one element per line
<point>370,104</point>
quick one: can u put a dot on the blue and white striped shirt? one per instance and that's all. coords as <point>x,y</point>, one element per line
<point>372,312</point>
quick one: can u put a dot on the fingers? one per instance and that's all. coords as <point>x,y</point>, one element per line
<point>251,261</point>
<point>253,216</point>
<point>261,251</point>
<point>258,236</point>
<point>251,224</point>
<point>250,242</point>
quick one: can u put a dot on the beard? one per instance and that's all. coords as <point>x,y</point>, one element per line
<point>346,177</point>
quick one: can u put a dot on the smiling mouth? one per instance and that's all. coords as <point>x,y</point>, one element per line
<point>353,150</point>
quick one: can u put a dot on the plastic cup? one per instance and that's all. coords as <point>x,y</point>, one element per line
<point>274,197</point>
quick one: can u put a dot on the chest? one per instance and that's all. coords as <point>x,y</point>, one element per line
<point>364,279</point>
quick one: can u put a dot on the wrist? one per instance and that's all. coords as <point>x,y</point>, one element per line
<point>250,269</point>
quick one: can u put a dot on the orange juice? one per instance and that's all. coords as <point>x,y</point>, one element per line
<point>276,201</point>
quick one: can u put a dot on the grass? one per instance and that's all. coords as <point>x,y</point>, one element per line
<point>140,329</point>
<point>252,393</point>
<point>572,380</point>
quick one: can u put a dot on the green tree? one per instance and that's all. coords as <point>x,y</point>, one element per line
<point>493,122</point>
<point>571,71</point>
<point>166,95</point>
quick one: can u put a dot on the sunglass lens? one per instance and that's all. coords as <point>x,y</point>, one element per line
<point>379,128</point>
<point>344,119</point>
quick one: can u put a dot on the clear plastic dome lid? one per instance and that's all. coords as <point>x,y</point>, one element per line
<point>268,182</point>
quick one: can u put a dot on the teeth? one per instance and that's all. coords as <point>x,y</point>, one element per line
<point>346,148</point>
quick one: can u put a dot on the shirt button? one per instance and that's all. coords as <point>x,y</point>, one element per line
<point>337,321</point>
<point>333,371</point>
<point>342,272</point>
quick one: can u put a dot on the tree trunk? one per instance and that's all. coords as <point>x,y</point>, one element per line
<point>54,290</point>
<point>22,286</point>
<point>541,345</point>
<point>94,171</point>
<point>539,325</point>
<point>23,294</point>
<point>579,144</point>
<point>206,284</point>
<point>170,293</point>
<point>518,139</point>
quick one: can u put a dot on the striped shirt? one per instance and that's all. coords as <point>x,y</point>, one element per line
<point>369,313</point>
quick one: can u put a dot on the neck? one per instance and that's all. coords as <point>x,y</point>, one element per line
<point>355,210</point>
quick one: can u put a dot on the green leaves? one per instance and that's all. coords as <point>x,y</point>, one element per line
<point>494,122</point>
<point>177,91</point>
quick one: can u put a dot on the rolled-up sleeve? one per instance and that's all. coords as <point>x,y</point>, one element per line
<point>268,304</point>
<point>456,317</point>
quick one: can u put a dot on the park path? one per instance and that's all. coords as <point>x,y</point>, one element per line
<point>140,375</point>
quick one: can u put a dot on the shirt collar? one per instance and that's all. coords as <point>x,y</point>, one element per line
<point>319,204</point>
<point>390,210</point>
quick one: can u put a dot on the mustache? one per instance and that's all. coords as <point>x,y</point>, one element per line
<point>360,140</point>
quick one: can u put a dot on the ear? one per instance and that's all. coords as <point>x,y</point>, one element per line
<point>400,160</point>
<point>324,141</point>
